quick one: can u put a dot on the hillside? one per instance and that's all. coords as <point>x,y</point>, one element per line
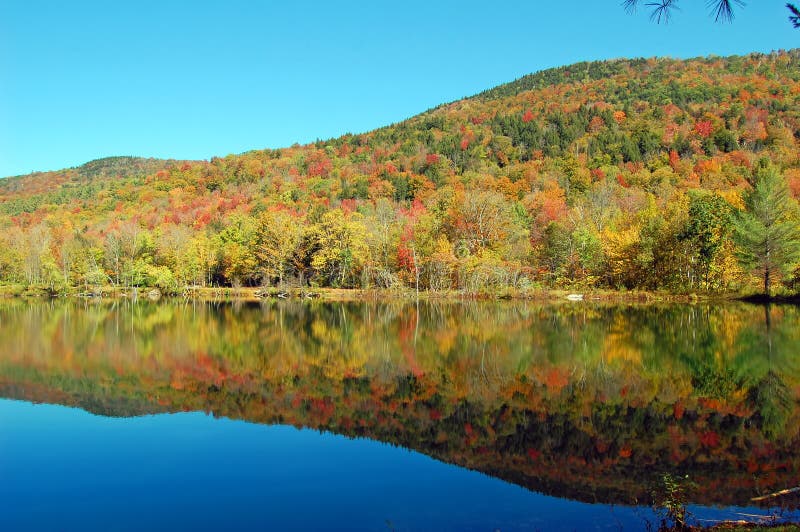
<point>27,193</point>
<point>622,173</point>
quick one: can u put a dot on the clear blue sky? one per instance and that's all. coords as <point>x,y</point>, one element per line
<point>193,79</point>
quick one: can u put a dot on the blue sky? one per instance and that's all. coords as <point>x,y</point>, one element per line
<point>193,79</point>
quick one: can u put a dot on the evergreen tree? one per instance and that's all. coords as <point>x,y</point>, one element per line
<point>767,232</point>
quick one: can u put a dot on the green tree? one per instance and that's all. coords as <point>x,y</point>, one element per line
<point>706,231</point>
<point>767,232</point>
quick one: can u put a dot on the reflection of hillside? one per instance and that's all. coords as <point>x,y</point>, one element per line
<point>592,403</point>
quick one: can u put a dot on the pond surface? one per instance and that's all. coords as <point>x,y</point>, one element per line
<point>393,416</point>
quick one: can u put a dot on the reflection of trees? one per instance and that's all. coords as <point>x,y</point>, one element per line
<point>773,402</point>
<point>580,400</point>
<point>767,352</point>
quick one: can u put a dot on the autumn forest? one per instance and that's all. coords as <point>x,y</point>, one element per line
<point>651,174</point>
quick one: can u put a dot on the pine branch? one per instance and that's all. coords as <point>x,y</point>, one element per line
<point>794,18</point>
<point>722,10</point>
<point>630,6</point>
<point>662,10</point>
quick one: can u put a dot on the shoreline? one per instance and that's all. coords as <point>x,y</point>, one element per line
<point>376,294</point>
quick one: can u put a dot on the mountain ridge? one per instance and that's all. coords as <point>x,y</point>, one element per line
<point>530,81</point>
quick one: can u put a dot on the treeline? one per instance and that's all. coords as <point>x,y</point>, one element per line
<point>652,174</point>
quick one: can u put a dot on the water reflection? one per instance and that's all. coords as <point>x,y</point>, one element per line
<point>590,402</point>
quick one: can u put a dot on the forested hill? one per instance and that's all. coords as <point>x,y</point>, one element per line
<point>42,188</point>
<point>624,173</point>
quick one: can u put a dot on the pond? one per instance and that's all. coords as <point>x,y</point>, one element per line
<point>394,415</point>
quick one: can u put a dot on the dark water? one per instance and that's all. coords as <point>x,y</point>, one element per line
<point>471,416</point>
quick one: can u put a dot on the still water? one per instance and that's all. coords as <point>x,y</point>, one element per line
<point>393,416</point>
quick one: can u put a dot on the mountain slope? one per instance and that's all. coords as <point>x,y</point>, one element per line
<point>616,173</point>
<point>27,192</point>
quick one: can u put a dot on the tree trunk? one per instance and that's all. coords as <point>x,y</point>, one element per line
<point>416,270</point>
<point>766,281</point>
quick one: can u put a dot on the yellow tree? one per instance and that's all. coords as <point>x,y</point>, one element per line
<point>237,243</point>
<point>278,236</point>
<point>341,247</point>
